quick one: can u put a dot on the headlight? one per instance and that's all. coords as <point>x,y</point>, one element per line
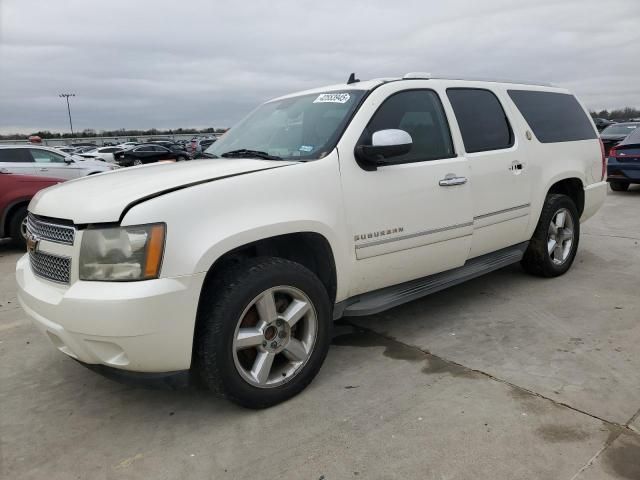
<point>122,253</point>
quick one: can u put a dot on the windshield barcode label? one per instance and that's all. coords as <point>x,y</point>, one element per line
<point>332,98</point>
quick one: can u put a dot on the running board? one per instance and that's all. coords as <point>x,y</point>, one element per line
<point>389,297</point>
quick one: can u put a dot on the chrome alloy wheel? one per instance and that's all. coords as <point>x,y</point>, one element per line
<point>137,162</point>
<point>275,337</point>
<point>560,236</point>
<point>23,228</point>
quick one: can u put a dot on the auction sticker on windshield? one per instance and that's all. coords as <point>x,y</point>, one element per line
<point>332,98</point>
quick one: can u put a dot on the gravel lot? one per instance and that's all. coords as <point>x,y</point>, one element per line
<point>505,377</point>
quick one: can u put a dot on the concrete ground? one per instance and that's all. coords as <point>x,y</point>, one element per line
<point>505,377</point>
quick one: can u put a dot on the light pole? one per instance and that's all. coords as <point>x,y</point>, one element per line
<point>67,95</point>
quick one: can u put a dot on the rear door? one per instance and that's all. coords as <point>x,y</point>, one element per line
<point>16,160</point>
<point>501,187</point>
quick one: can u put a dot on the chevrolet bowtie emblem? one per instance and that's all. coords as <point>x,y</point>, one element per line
<point>32,243</point>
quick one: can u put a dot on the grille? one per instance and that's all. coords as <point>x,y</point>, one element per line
<point>52,267</point>
<point>49,231</point>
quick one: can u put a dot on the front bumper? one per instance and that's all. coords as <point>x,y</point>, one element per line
<point>144,326</point>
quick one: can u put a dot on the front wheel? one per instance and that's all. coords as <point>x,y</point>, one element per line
<point>619,186</point>
<point>18,227</point>
<point>264,328</point>
<point>553,246</point>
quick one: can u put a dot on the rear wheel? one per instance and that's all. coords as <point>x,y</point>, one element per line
<point>619,186</point>
<point>263,331</point>
<point>553,246</point>
<point>18,227</point>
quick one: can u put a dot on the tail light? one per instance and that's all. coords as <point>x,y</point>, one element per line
<point>604,159</point>
<point>613,152</point>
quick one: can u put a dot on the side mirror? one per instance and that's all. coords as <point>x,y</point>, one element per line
<point>68,160</point>
<point>385,144</point>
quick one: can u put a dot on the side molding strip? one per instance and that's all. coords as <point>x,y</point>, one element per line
<point>413,235</point>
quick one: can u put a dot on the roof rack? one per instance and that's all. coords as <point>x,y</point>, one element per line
<point>428,76</point>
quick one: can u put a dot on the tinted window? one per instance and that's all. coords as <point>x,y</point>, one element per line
<point>553,117</point>
<point>45,156</point>
<point>420,113</point>
<point>108,150</point>
<point>14,155</point>
<point>481,118</point>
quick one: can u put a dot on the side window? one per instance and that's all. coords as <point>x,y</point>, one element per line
<point>553,117</point>
<point>420,114</point>
<point>45,156</point>
<point>483,124</point>
<point>15,155</point>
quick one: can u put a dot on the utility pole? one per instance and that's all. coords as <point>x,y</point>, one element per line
<point>67,95</point>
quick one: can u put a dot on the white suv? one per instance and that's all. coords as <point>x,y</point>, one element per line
<point>340,201</point>
<point>48,162</point>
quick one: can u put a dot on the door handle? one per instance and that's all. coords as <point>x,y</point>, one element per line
<point>44,169</point>
<point>450,180</point>
<point>516,166</point>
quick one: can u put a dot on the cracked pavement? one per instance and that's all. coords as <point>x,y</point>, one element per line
<point>505,377</point>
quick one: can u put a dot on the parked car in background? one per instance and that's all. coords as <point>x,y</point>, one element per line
<point>602,123</point>
<point>623,164</point>
<point>67,150</point>
<point>16,191</point>
<point>199,145</point>
<point>48,162</point>
<point>83,144</point>
<point>128,144</point>
<point>616,133</point>
<point>176,147</point>
<point>380,192</point>
<point>84,149</point>
<point>102,153</point>
<point>147,153</point>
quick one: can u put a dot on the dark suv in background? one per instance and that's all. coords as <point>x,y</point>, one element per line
<point>623,164</point>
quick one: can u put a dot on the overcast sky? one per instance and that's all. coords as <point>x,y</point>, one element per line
<point>198,63</point>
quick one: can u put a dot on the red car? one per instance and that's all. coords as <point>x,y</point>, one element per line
<point>16,191</point>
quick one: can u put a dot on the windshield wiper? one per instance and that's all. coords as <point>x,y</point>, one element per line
<point>243,152</point>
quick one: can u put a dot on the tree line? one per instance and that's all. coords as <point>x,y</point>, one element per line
<point>90,132</point>
<point>618,114</point>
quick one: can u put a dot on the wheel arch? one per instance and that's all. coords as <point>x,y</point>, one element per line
<point>8,214</point>
<point>310,249</point>
<point>573,187</point>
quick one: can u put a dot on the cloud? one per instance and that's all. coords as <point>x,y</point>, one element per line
<point>166,64</point>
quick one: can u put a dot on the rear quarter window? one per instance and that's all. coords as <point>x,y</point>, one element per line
<point>553,117</point>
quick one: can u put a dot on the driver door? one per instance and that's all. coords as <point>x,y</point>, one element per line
<point>406,220</point>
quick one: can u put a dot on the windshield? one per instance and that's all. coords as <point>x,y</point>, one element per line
<point>619,129</point>
<point>305,127</point>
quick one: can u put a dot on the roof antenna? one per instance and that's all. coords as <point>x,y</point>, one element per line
<point>352,79</point>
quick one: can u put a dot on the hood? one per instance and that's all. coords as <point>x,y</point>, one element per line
<point>102,198</point>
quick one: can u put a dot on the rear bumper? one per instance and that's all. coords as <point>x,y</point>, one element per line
<point>135,326</point>
<point>594,197</point>
<point>623,171</point>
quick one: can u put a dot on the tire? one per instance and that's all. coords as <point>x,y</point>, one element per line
<point>181,159</point>
<point>619,186</point>
<point>538,260</point>
<point>17,227</point>
<point>137,162</point>
<point>234,299</point>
